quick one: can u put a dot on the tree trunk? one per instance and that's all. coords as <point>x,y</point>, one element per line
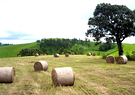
<point>119,46</point>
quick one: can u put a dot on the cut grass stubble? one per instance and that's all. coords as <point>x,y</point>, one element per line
<point>92,76</point>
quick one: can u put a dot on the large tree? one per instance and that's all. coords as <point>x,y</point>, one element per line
<point>114,22</point>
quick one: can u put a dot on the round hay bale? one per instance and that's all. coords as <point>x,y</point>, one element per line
<point>63,76</point>
<point>94,54</point>
<point>7,74</point>
<point>110,59</point>
<point>121,59</point>
<point>19,55</point>
<point>40,65</point>
<point>62,53</point>
<point>56,55</point>
<point>66,55</point>
<point>41,54</point>
<point>88,54</point>
<point>36,55</point>
<point>72,53</point>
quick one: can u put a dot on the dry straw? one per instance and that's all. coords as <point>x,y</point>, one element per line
<point>62,53</point>
<point>63,76</point>
<point>72,53</point>
<point>88,54</point>
<point>40,65</point>
<point>41,54</point>
<point>121,59</point>
<point>19,55</point>
<point>66,55</point>
<point>36,55</point>
<point>94,54</point>
<point>56,55</point>
<point>7,74</point>
<point>110,59</point>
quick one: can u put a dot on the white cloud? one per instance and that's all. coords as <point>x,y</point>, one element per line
<point>48,18</point>
<point>130,40</point>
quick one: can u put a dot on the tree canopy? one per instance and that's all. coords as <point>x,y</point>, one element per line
<point>112,22</point>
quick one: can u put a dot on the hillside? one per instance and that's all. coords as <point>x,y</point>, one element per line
<point>13,50</point>
<point>126,48</point>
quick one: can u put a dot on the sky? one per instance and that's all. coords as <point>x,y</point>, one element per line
<point>26,21</point>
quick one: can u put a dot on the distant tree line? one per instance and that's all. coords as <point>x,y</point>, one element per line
<point>29,52</point>
<point>65,43</point>
<point>106,46</point>
<point>1,44</point>
<point>48,46</point>
<point>62,45</point>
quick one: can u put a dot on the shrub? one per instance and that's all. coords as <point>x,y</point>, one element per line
<point>98,53</point>
<point>104,56</point>
<point>133,52</point>
<point>131,57</point>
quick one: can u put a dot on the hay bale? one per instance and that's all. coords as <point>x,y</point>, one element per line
<point>7,74</point>
<point>40,65</point>
<point>56,55</point>
<point>121,59</point>
<point>63,76</point>
<point>19,55</point>
<point>88,54</point>
<point>110,59</point>
<point>62,53</point>
<point>72,53</point>
<point>36,55</point>
<point>66,55</point>
<point>41,54</point>
<point>94,54</point>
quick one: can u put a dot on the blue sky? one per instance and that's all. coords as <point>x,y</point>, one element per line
<point>25,21</point>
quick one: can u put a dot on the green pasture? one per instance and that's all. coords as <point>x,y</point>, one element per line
<point>13,50</point>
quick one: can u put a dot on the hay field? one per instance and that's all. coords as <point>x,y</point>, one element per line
<point>93,76</point>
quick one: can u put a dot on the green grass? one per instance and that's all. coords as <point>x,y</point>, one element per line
<point>126,48</point>
<point>13,50</point>
<point>93,76</point>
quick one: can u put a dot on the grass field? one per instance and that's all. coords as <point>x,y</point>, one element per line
<point>93,76</point>
<point>13,50</point>
<point>126,48</point>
